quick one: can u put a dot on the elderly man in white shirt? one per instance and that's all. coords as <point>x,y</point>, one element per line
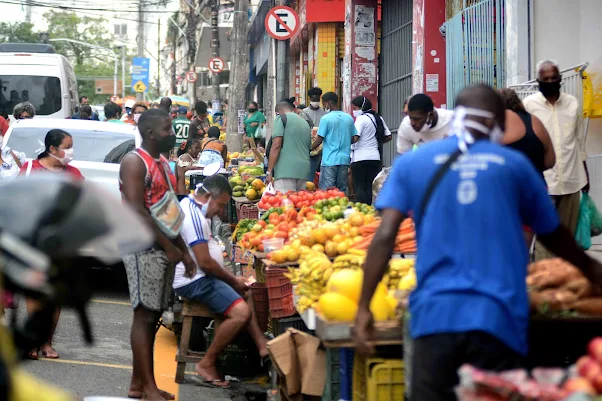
<point>561,114</point>
<point>424,123</point>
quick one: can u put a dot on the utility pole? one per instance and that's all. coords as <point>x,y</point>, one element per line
<point>159,58</point>
<point>281,67</point>
<point>141,38</point>
<point>28,11</point>
<point>123,72</point>
<point>215,48</point>
<point>239,75</point>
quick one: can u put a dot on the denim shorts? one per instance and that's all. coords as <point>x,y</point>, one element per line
<point>218,296</point>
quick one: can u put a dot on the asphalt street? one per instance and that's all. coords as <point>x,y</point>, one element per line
<point>104,369</point>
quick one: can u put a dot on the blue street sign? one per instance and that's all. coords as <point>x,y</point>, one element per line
<point>140,74</point>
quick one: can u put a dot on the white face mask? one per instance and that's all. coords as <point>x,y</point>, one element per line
<point>460,123</point>
<point>315,105</point>
<point>357,113</point>
<point>68,158</point>
<point>136,118</point>
<point>427,126</point>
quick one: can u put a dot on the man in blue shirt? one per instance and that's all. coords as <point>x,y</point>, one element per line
<point>471,303</point>
<point>338,132</point>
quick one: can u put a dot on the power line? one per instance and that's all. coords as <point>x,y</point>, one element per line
<point>69,8</point>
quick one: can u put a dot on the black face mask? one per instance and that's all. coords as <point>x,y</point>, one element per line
<point>252,110</point>
<point>167,143</point>
<point>549,88</point>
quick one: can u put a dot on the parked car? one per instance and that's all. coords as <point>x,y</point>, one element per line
<point>93,141</point>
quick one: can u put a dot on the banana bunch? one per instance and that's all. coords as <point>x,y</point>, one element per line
<point>408,282</point>
<point>310,278</point>
<point>349,261</point>
<point>398,269</point>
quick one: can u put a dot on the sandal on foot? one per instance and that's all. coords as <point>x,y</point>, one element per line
<point>138,395</point>
<point>49,355</point>
<point>33,355</point>
<point>213,383</point>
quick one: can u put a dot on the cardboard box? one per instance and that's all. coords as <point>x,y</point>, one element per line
<point>283,353</point>
<point>312,361</point>
<point>300,363</point>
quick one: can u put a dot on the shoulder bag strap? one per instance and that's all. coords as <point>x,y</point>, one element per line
<point>16,159</point>
<point>207,143</point>
<point>434,182</point>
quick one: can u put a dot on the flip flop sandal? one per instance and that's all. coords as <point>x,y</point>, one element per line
<point>211,383</point>
<point>47,355</point>
<point>138,395</point>
<point>33,355</point>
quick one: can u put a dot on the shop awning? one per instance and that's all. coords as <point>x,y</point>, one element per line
<point>257,27</point>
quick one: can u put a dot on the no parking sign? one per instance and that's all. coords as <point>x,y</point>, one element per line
<point>282,23</point>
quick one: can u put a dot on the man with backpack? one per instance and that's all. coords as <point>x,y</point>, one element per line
<point>288,159</point>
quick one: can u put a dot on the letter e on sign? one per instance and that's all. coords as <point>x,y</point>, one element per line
<point>216,65</point>
<point>282,23</point>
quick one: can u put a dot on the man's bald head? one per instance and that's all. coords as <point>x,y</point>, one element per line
<point>283,106</point>
<point>484,97</point>
<point>165,104</point>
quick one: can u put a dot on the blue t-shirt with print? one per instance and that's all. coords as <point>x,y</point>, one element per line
<point>472,257</point>
<point>336,129</point>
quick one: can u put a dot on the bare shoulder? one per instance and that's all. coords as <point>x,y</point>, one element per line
<point>132,165</point>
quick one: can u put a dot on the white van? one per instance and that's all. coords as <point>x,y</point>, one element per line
<point>46,80</point>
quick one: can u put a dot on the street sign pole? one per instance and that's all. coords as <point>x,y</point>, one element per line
<point>216,100</point>
<point>282,23</point>
<point>140,75</point>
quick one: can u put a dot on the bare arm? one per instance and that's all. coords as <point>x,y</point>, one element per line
<point>387,139</point>
<point>316,142</point>
<point>378,256</point>
<point>274,153</point>
<point>225,154</point>
<point>549,158</point>
<point>132,174</point>
<point>515,128</point>
<point>565,247</point>
<point>355,138</point>
<point>212,268</point>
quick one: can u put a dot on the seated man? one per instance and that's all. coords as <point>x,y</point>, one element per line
<point>213,285</point>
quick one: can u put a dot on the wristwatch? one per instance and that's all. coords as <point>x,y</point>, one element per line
<point>269,173</point>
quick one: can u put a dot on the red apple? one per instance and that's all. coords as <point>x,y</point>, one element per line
<point>594,349</point>
<point>579,384</point>
<point>588,368</point>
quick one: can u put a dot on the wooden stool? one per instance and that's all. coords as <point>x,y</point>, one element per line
<point>190,309</point>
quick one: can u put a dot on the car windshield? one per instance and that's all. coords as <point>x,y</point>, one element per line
<point>88,145</point>
<point>43,92</point>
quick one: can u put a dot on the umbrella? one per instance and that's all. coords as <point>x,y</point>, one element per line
<point>177,100</point>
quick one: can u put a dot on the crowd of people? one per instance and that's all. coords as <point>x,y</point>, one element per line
<point>494,161</point>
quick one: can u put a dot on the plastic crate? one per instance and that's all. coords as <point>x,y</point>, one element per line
<point>240,358</point>
<point>261,304</point>
<point>279,326</point>
<point>280,293</point>
<point>247,211</point>
<point>384,379</point>
<point>332,388</point>
<point>360,389</point>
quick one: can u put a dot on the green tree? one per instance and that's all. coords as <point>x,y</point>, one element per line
<point>91,30</point>
<point>17,32</point>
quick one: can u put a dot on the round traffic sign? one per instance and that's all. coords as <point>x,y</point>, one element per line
<point>216,64</point>
<point>191,76</point>
<point>282,23</point>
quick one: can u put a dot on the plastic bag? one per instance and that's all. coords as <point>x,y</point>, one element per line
<point>595,216</point>
<point>269,189</point>
<point>583,234</point>
<point>260,132</point>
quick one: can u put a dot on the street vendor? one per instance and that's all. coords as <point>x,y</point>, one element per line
<point>469,197</point>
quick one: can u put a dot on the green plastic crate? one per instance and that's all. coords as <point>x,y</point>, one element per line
<point>332,388</point>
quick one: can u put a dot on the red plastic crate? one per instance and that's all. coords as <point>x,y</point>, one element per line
<point>261,303</point>
<point>280,293</point>
<point>247,211</point>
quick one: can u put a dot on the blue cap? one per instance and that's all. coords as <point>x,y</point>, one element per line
<point>182,110</point>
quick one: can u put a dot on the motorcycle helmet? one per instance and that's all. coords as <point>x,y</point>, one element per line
<point>52,228</point>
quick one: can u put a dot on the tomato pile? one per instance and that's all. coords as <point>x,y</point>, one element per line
<point>298,199</point>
